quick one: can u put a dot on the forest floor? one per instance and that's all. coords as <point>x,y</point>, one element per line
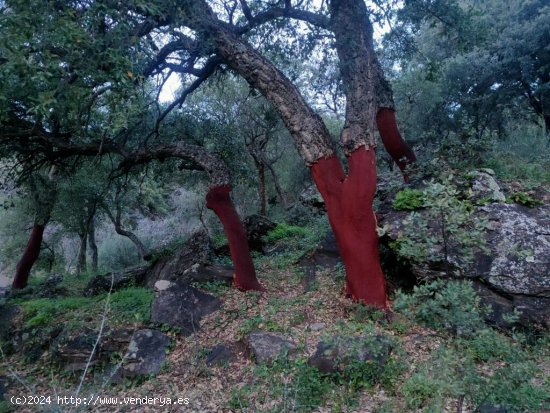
<point>288,385</point>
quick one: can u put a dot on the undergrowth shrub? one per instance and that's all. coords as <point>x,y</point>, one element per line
<point>452,374</point>
<point>445,224</point>
<point>525,199</point>
<point>408,199</point>
<point>445,305</point>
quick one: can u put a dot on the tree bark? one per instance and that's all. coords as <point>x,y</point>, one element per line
<point>261,188</point>
<point>348,199</point>
<point>81,263</point>
<point>368,93</point>
<point>218,199</point>
<point>92,245</point>
<point>30,255</point>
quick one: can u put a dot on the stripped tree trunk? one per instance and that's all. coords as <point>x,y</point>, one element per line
<point>348,201</point>
<point>218,199</point>
<point>45,201</point>
<point>348,198</point>
<point>30,255</point>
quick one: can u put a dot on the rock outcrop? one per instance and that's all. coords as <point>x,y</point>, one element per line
<point>513,270</point>
<point>146,353</point>
<point>182,306</point>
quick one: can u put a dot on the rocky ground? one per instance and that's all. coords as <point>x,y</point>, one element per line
<point>176,328</point>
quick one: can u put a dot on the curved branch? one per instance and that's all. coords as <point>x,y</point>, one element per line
<point>215,168</point>
<point>315,19</point>
<point>125,233</point>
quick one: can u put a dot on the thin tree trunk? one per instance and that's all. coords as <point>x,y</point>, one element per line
<point>142,251</point>
<point>30,255</point>
<point>218,199</point>
<point>277,184</point>
<point>81,263</point>
<point>261,188</point>
<point>93,246</point>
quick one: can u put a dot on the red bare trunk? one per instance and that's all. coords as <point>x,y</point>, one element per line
<point>349,207</point>
<point>32,251</point>
<point>395,145</point>
<point>219,200</point>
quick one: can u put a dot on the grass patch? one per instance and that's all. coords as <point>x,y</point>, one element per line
<point>45,311</point>
<point>132,303</point>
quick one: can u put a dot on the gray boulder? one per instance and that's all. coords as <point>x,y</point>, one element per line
<point>266,347</point>
<point>175,265</point>
<point>146,353</point>
<point>74,353</point>
<point>485,187</point>
<point>188,263</point>
<point>221,354</point>
<point>515,266</point>
<point>180,305</point>
<point>338,353</point>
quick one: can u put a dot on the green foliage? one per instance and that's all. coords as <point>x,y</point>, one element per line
<point>489,345</point>
<point>257,323</point>
<point>445,223</point>
<point>283,232</point>
<point>523,157</point>
<point>5,407</point>
<point>444,304</point>
<point>452,373</point>
<point>45,311</point>
<point>295,382</point>
<point>310,387</point>
<point>219,240</point>
<point>362,313</point>
<point>239,398</point>
<point>132,304</point>
<point>408,199</point>
<point>525,199</point>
